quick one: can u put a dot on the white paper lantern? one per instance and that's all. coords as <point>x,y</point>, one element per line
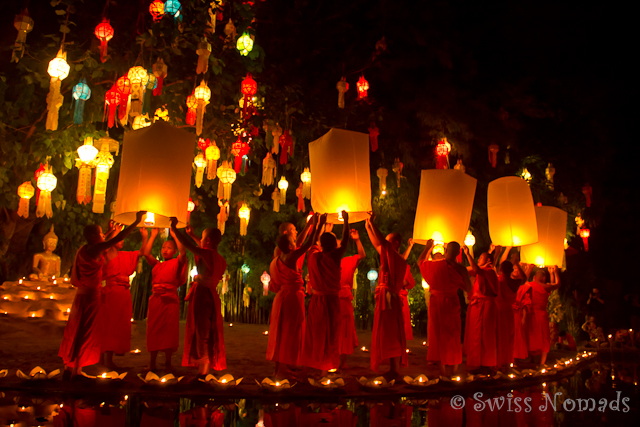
<point>512,217</point>
<point>552,229</point>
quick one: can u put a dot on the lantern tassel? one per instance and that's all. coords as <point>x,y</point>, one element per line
<point>44,205</point>
<point>212,167</point>
<point>158,90</point>
<point>103,51</point>
<point>83,194</point>
<point>222,215</point>
<point>199,117</point>
<point>23,207</point>
<point>276,200</point>
<point>100,189</point>
<point>243,226</point>
<point>54,102</point>
<point>78,112</point>
<point>283,196</point>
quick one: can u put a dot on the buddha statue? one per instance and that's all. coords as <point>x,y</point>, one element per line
<point>46,265</point>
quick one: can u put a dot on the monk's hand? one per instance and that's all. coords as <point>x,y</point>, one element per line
<point>410,241</point>
<point>345,216</point>
<point>430,242</point>
<point>323,220</point>
<point>465,249</point>
<point>139,216</point>
<point>354,234</point>
<point>492,248</point>
<point>144,232</point>
<point>174,222</point>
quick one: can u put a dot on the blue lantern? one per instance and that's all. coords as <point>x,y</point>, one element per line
<point>245,270</point>
<point>173,7</point>
<point>81,93</point>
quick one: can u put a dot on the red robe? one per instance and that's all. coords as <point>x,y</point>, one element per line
<point>204,333</point>
<point>388,338</point>
<point>443,414</point>
<point>406,310</point>
<point>286,327</point>
<point>116,309</point>
<point>163,314</point>
<point>390,415</point>
<point>506,326</point>
<point>80,345</point>
<point>444,326</point>
<point>480,332</point>
<point>321,347</point>
<point>283,417</point>
<point>73,415</point>
<point>347,337</point>
<point>521,306</point>
<point>538,336</point>
<point>191,418</point>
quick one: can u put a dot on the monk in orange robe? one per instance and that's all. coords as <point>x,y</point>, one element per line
<point>163,312</point>
<point>287,323</point>
<point>204,333</point>
<point>321,348</point>
<point>80,345</point>
<point>404,294</point>
<point>444,277</point>
<point>538,336</point>
<point>388,340</point>
<point>288,229</point>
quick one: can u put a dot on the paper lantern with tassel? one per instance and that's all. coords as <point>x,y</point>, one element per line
<point>204,51</point>
<point>227,177</point>
<point>192,106</point>
<point>111,102</point>
<point>342,86</point>
<point>173,8</point>
<point>24,25</point>
<point>382,177</point>
<point>58,70</point>
<point>46,184</point>
<point>26,192</point>
<point>123,86</point>
<point>363,87</point>
<point>305,177</point>
<point>243,214</point>
<point>104,32</point>
<point>275,196</point>
<point>85,161</point>
<point>512,217</point>
<point>265,279</point>
<point>156,9</point>
<point>200,162</point>
<point>155,174</point>
<point>160,71</point>
<point>202,94</point>
<point>249,88</point>
<point>585,233</point>
<point>443,148</point>
<point>212,154</point>
<point>244,44</point>
<point>139,79</point>
<point>103,161</point>
<point>373,137</point>
<point>286,143</point>
<point>239,149</point>
<point>276,132</point>
<point>397,169</point>
<point>268,170</point>
<point>552,229</point>
<point>444,207</point>
<point>341,176</point>
<point>283,184</point>
<point>223,215</point>
<point>300,196</point>
<point>493,154</point>
<point>190,208</point>
<point>81,93</point>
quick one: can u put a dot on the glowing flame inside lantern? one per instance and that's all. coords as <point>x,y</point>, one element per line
<point>340,209</point>
<point>150,219</point>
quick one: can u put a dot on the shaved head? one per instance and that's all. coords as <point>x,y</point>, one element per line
<point>285,228</point>
<point>284,244</point>
<point>211,237</point>
<point>453,249</point>
<point>328,242</point>
<point>92,233</point>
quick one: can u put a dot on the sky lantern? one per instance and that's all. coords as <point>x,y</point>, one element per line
<point>212,154</point>
<point>85,161</point>
<point>249,88</point>
<point>244,44</point>
<point>204,51</point>
<point>243,214</point>
<point>444,207</point>
<point>443,148</point>
<point>104,32</point>
<point>103,161</point>
<point>58,69</point>
<point>111,102</point>
<point>81,92</point>
<point>512,217</point>
<point>46,183</point>
<point>156,9</point>
<point>342,86</point>
<point>363,87</point>
<point>202,93</point>
<point>283,184</point>
<point>155,174</point>
<point>227,177</point>
<point>265,279</point>
<point>341,177</point>
<point>493,154</point>
<point>200,162</point>
<point>160,71</point>
<point>382,177</point>
<point>305,177</point>
<point>585,233</point>
<point>26,192</point>
<point>24,25</point>
<point>552,229</point>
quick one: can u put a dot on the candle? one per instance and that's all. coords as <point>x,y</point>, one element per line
<point>38,288</point>
<point>132,320</point>
<point>126,397</point>
<point>408,351</point>
<point>50,296</point>
<point>104,375</point>
<point>136,351</point>
<point>5,297</point>
<point>33,315</point>
<point>420,379</point>
<point>230,324</point>
<point>20,282</point>
<point>333,370</point>
<point>424,343</point>
<point>265,333</point>
<point>26,297</point>
<point>163,380</point>
<point>457,378</point>
<point>68,310</point>
<point>277,384</point>
<point>512,376</point>
<point>376,382</point>
<point>224,381</point>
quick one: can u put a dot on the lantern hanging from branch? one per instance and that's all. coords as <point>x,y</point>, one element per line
<point>275,196</point>
<point>249,88</point>
<point>81,92</point>
<point>552,229</point>
<point>227,177</point>
<point>382,177</point>
<point>156,9</point>
<point>276,132</point>
<point>397,169</point>
<point>46,184</point>
<point>58,70</point>
<point>372,275</point>
<point>202,94</point>
<point>160,71</point>
<point>173,8</point>
<point>243,214</point>
<point>286,143</point>
<point>151,85</point>
<point>85,161</point>
<point>588,192</point>
<point>190,208</point>
<point>244,44</point>
<point>300,196</point>
<point>549,172</point>
<point>342,86</point>
<point>493,154</point>
<point>223,215</point>
<point>26,192</point>
<point>305,177</point>
<point>141,121</point>
<point>341,175</point>
<point>139,79</point>
<point>283,184</point>
<point>200,162</point>
<point>460,166</point>
<point>212,154</point>
<point>526,175</point>
<point>239,149</point>
<point>111,102</point>
<point>373,137</point>
<point>103,161</point>
<point>443,148</point>
<point>265,279</point>
<point>24,25</point>
<point>230,30</point>
<point>268,170</point>
<point>123,86</point>
<point>585,233</point>
<point>203,51</point>
<point>363,87</point>
<point>444,207</point>
<point>192,106</point>
<point>512,217</point>
<point>104,32</point>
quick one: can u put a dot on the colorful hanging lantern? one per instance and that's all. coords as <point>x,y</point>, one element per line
<point>200,162</point>
<point>512,216</point>
<point>156,9</point>
<point>111,102</point>
<point>342,87</point>
<point>363,87</point>
<point>397,169</point>
<point>493,154</point>
<point>243,214</point>
<point>588,192</point>
<point>300,197</point>
<point>283,184</point>
<point>203,51</point>
<point>244,44</point>
<point>23,24</point>
<point>192,107</point>
<point>373,137</point>
<point>223,215</point>
<point>249,88</point>
<point>265,279</point>
<point>139,79</point>
<point>202,94</point>
<point>26,192</point>
<point>552,229</point>
<point>151,85</point>
<point>276,132</point>
<point>104,161</point>
<point>104,32</point>
<point>549,172</point>
<point>141,121</point>
<point>85,161</point>
<point>526,175</point>
<point>212,154</point>
<point>286,143</point>
<point>46,184</point>
<point>585,233</point>
<point>81,93</point>
<point>268,170</point>
<point>160,71</point>
<point>239,149</point>
<point>227,176</point>
<point>460,166</point>
<point>443,148</point>
<point>123,86</point>
<point>230,29</point>
<point>382,176</point>
<point>173,8</point>
<point>275,196</point>
<point>305,177</point>
<point>58,70</point>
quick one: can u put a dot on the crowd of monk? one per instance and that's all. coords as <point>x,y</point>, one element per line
<point>506,317</point>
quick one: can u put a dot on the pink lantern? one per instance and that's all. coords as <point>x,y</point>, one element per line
<point>265,279</point>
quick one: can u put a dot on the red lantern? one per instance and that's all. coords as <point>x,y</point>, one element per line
<point>363,87</point>
<point>123,86</point>
<point>192,105</point>
<point>111,102</point>
<point>239,149</point>
<point>203,144</point>
<point>104,32</point>
<point>286,143</point>
<point>373,137</point>
<point>249,88</point>
<point>443,148</point>
<point>156,8</point>
<point>585,233</point>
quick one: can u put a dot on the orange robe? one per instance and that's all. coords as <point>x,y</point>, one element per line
<point>116,309</point>
<point>506,326</point>
<point>388,338</point>
<point>80,345</point>
<point>406,310</point>
<point>286,327</point>
<point>389,415</point>
<point>191,418</point>
<point>521,306</point>
<point>163,314</point>
<point>538,336</point>
<point>444,326</point>
<point>347,337</point>
<point>480,331</point>
<point>321,347</point>
<point>443,414</point>
<point>204,332</point>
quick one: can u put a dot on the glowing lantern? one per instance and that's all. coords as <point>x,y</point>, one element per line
<point>438,247</point>
<point>244,44</point>
<point>155,174</point>
<point>470,240</point>
<point>239,149</point>
<point>268,170</point>
<point>305,177</point>
<point>223,215</point>
<point>86,153</point>
<point>249,88</point>
<point>151,85</point>
<point>243,214</point>
<point>227,177</point>
<point>283,184</point>
<point>139,79</point>
<point>363,87</point>
<point>190,208</point>
<point>552,228</point>
<point>265,279</point>
<point>172,8</point>
<point>156,8</point>
<point>443,148</point>
<point>585,233</point>
<point>192,106</point>
<point>526,175</point>
<point>212,154</point>
<point>512,217</point>
<point>372,275</point>
<point>382,176</point>
<point>81,93</point>
<point>58,70</point>
<point>111,102</point>
<point>341,176</point>
<point>103,161</point>
<point>46,184</point>
<point>342,86</point>
<point>26,192</point>
<point>549,172</point>
<point>161,114</point>
<point>202,94</point>
<point>150,219</point>
<point>444,207</point>
<point>23,24</point>
<point>493,154</point>
<point>104,32</point>
<point>160,71</point>
<point>123,86</point>
<point>141,121</point>
<point>203,51</point>
<point>200,163</point>
<point>459,166</point>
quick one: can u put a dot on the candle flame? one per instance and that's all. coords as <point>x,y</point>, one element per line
<point>223,381</point>
<point>420,379</point>
<point>150,220</point>
<point>163,380</point>
<point>377,382</point>
<point>104,375</point>
<point>457,378</point>
<point>277,383</point>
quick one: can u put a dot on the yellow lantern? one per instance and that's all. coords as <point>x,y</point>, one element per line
<point>283,184</point>
<point>26,192</point>
<point>512,217</point>
<point>46,184</point>
<point>58,70</point>
<point>212,154</point>
<point>139,78</point>
<point>23,24</point>
<point>244,44</point>
<point>305,177</point>
<point>227,176</point>
<point>382,176</point>
<point>140,121</point>
<point>87,154</point>
<point>470,240</point>
<point>202,94</point>
<point>103,161</point>
<point>526,175</point>
<point>341,175</point>
<point>552,229</point>
<point>203,51</point>
<point>444,207</point>
<point>243,214</point>
<point>200,162</point>
<point>155,174</point>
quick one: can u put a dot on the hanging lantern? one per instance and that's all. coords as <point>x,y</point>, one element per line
<point>172,8</point>
<point>493,154</point>
<point>230,29</point>
<point>86,156</point>
<point>512,217</point>
<point>192,106</point>
<point>286,143</point>
<point>265,279</point>
<point>283,184</point>
<point>200,163</point>
<point>104,32</point>
<point>203,51</point>
<point>363,87</point>
<point>243,214</point>
<point>552,228</point>
<point>443,148</point>
<point>58,70</point>
<point>470,240</point>
<point>459,166</point>
<point>227,177</point>
<point>268,170</point>
<point>249,88</point>
<point>151,85</point>
<point>161,114</point>
<point>160,71</point>
<point>239,149</point>
<point>156,8</point>
<point>526,175</point>
<point>585,233</point>
<point>212,154</point>
<point>24,25</point>
<point>223,215</point>
<point>300,196</point>
<point>26,192</point>
<point>141,121</point>
<point>190,208</point>
<point>202,94</point>
<point>342,87</point>
<point>397,169</point>
<point>244,44</point>
<point>81,93</point>
<point>103,161</point>
<point>588,192</point>
<point>372,275</point>
<point>123,86</point>
<point>276,133</point>
<point>139,79</point>
<point>382,177</point>
<point>275,196</point>
<point>305,177</point>
<point>111,102</point>
<point>46,184</point>
<point>549,172</point>
<point>444,207</point>
<point>373,137</point>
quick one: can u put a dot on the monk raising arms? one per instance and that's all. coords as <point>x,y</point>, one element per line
<point>538,338</point>
<point>287,323</point>
<point>80,345</point>
<point>204,338</point>
<point>404,294</point>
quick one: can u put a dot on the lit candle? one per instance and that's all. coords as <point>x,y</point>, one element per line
<point>333,370</point>
<point>33,315</point>
<point>20,282</point>
<point>376,382</point>
<point>277,384</point>
<point>224,381</point>
<point>328,382</point>
<point>126,397</point>
<point>230,324</point>
<point>424,343</point>
<point>136,351</point>
<point>420,379</point>
<point>544,371</point>
<point>104,375</point>
<point>163,380</point>
<point>631,337</point>
<point>408,351</point>
<point>132,320</point>
<point>38,288</point>
<point>512,376</point>
<point>265,333</point>
<point>68,310</point>
<point>5,297</point>
<point>50,296</point>
<point>457,378</point>
<point>55,282</point>
<point>26,297</point>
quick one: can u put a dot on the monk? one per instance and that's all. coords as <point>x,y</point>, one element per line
<point>538,337</point>
<point>163,314</point>
<point>404,294</point>
<point>288,229</point>
<point>204,336</point>
<point>116,309</point>
<point>388,339</point>
<point>80,345</point>
<point>321,348</point>
<point>348,339</point>
<point>287,323</point>
<point>444,277</point>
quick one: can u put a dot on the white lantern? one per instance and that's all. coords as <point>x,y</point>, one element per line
<point>552,229</point>
<point>283,184</point>
<point>512,217</point>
